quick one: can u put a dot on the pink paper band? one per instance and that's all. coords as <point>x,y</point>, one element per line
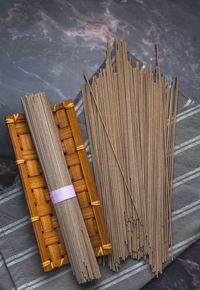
<point>62,193</point>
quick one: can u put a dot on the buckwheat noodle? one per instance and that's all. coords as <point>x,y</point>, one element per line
<point>48,147</point>
<point>131,119</point>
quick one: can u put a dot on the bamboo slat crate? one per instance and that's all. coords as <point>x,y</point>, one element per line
<point>46,228</point>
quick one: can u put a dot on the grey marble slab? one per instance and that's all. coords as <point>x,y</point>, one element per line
<point>47,45</point>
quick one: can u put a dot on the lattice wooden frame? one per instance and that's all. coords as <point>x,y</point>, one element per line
<point>49,239</point>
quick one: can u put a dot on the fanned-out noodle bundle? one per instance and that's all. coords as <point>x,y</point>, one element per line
<point>48,146</point>
<point>131,116</point>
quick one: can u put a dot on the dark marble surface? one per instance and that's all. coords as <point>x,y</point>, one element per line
<point>182,274</point>
<point>8,171</point>
<point>46,46</point>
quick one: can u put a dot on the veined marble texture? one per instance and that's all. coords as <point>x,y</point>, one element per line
<point>47,45</point>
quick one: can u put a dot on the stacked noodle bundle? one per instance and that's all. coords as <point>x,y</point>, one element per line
<point>50,154</point>
<point>131,116</point>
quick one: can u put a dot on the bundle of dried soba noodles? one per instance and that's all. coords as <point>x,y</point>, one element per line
<point>131,115</point>
<point>48,147</point>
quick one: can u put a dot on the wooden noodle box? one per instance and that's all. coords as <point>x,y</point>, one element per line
<point>49,239</point>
